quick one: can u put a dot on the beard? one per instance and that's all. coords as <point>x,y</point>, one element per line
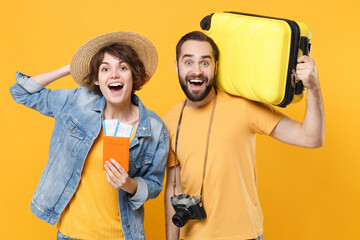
<point>209,83</point>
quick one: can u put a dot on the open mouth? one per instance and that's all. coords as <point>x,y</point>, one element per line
<point>115,87</point>
<point>196,82</point>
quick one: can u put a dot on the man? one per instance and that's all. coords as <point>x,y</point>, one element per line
<point>226,178</point>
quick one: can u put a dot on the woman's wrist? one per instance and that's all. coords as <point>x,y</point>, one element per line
<point>131,187</point>
<point>64,71</point>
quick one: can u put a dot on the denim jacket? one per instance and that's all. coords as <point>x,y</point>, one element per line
<point>78,114</point>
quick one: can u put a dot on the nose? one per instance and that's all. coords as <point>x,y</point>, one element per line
<point>197,69</point>
<point>115,73</point>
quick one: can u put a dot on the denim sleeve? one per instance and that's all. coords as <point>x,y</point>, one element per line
<point>33,95</point>
<point>150,185</point>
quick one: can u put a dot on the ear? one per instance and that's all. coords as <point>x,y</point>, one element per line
<point>216,67</point>
<point>96,82</point>
<point>176,67</point>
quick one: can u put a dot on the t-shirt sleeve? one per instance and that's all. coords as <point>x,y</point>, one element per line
<point>169,120</point>
<point>171,159</point>
<point>263,118</point>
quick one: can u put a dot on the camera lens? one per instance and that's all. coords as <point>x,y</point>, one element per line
<point>181,217</point>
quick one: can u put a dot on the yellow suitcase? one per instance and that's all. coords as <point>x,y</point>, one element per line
<point>258,55</point>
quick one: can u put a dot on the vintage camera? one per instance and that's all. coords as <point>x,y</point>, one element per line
<point>186,208</point>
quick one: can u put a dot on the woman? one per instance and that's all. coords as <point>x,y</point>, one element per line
<point>75,192</point>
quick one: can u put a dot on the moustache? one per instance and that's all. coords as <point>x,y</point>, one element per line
<point>194,76</point>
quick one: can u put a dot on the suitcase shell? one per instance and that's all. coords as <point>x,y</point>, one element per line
<point>257,55</point>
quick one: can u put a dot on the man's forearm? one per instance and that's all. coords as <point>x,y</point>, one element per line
<point>172,232</point>
<point>314,122</point>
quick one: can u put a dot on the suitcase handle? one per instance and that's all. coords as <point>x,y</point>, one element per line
<point>305,47</point>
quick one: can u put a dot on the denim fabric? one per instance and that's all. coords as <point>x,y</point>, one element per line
<point>78,114</point>
<point>61,236</point>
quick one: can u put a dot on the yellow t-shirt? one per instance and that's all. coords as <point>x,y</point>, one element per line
<point>230,190</point>
<point>93,212</point>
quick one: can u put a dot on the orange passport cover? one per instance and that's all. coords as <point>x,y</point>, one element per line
<point>116,148</point>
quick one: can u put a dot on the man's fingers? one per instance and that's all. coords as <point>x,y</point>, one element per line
<point>302,72</point>
<point>301,66</point>
<point>303,59</point>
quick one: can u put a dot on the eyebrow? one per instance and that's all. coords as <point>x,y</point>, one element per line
<point>191,55</point>
<point>109,63</point>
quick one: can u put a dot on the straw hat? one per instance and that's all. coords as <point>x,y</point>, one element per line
<point>80,62</point>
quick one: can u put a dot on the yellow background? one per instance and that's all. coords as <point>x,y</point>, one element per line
<point>305,194</point>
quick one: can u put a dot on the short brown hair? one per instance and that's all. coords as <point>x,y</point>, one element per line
<point>197,36</point>
<point>126,54</point>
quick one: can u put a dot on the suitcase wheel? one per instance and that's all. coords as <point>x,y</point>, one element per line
<point>205,23</point>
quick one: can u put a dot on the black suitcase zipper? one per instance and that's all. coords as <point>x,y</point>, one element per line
<point>294,46</point>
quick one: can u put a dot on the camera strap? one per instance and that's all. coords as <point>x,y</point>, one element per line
<point>206,147</point>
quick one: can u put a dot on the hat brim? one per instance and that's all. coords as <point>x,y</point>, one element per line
<point>80,62</point>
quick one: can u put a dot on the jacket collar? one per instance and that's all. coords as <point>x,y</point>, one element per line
<point>143,129</point>
<point>99,105</point>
